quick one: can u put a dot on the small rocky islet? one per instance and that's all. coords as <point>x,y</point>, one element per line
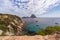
<point>10,25</point>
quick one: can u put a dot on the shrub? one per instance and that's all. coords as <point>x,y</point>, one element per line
<point>49,30</point>
<point>41,32</point>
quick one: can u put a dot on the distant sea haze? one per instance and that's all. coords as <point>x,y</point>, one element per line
<point>43,21</point>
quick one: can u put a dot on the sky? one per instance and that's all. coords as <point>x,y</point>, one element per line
<point>40,8</point>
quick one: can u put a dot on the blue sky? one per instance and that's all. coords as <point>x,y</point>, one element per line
<point>41,8</point>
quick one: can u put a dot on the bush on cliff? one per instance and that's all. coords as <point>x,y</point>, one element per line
<point>49,30</point>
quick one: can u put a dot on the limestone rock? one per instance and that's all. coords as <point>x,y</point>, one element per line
<point>10,24</point>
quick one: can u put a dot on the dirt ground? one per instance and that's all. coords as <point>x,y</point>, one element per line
<point>36,37</point>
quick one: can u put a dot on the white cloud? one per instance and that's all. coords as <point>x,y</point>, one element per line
<point>34,6</point>
<point>52,14</point>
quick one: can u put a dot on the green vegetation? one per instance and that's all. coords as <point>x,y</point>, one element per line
<point>49,30</point>
<point>41,32</point>
<point>3,28</point>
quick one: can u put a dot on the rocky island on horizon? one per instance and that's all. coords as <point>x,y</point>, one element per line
<point>32,16</point>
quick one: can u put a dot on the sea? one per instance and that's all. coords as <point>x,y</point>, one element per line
<point>40,23</point>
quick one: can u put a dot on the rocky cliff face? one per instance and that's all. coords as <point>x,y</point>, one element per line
<point>10,24</point>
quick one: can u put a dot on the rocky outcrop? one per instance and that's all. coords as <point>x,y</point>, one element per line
<point>33,16</point>
<point>10,24</point>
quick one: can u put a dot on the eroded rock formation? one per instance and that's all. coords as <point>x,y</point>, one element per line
<point>10,24</point>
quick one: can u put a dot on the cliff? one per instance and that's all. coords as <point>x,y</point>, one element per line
<point>10,24</point>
